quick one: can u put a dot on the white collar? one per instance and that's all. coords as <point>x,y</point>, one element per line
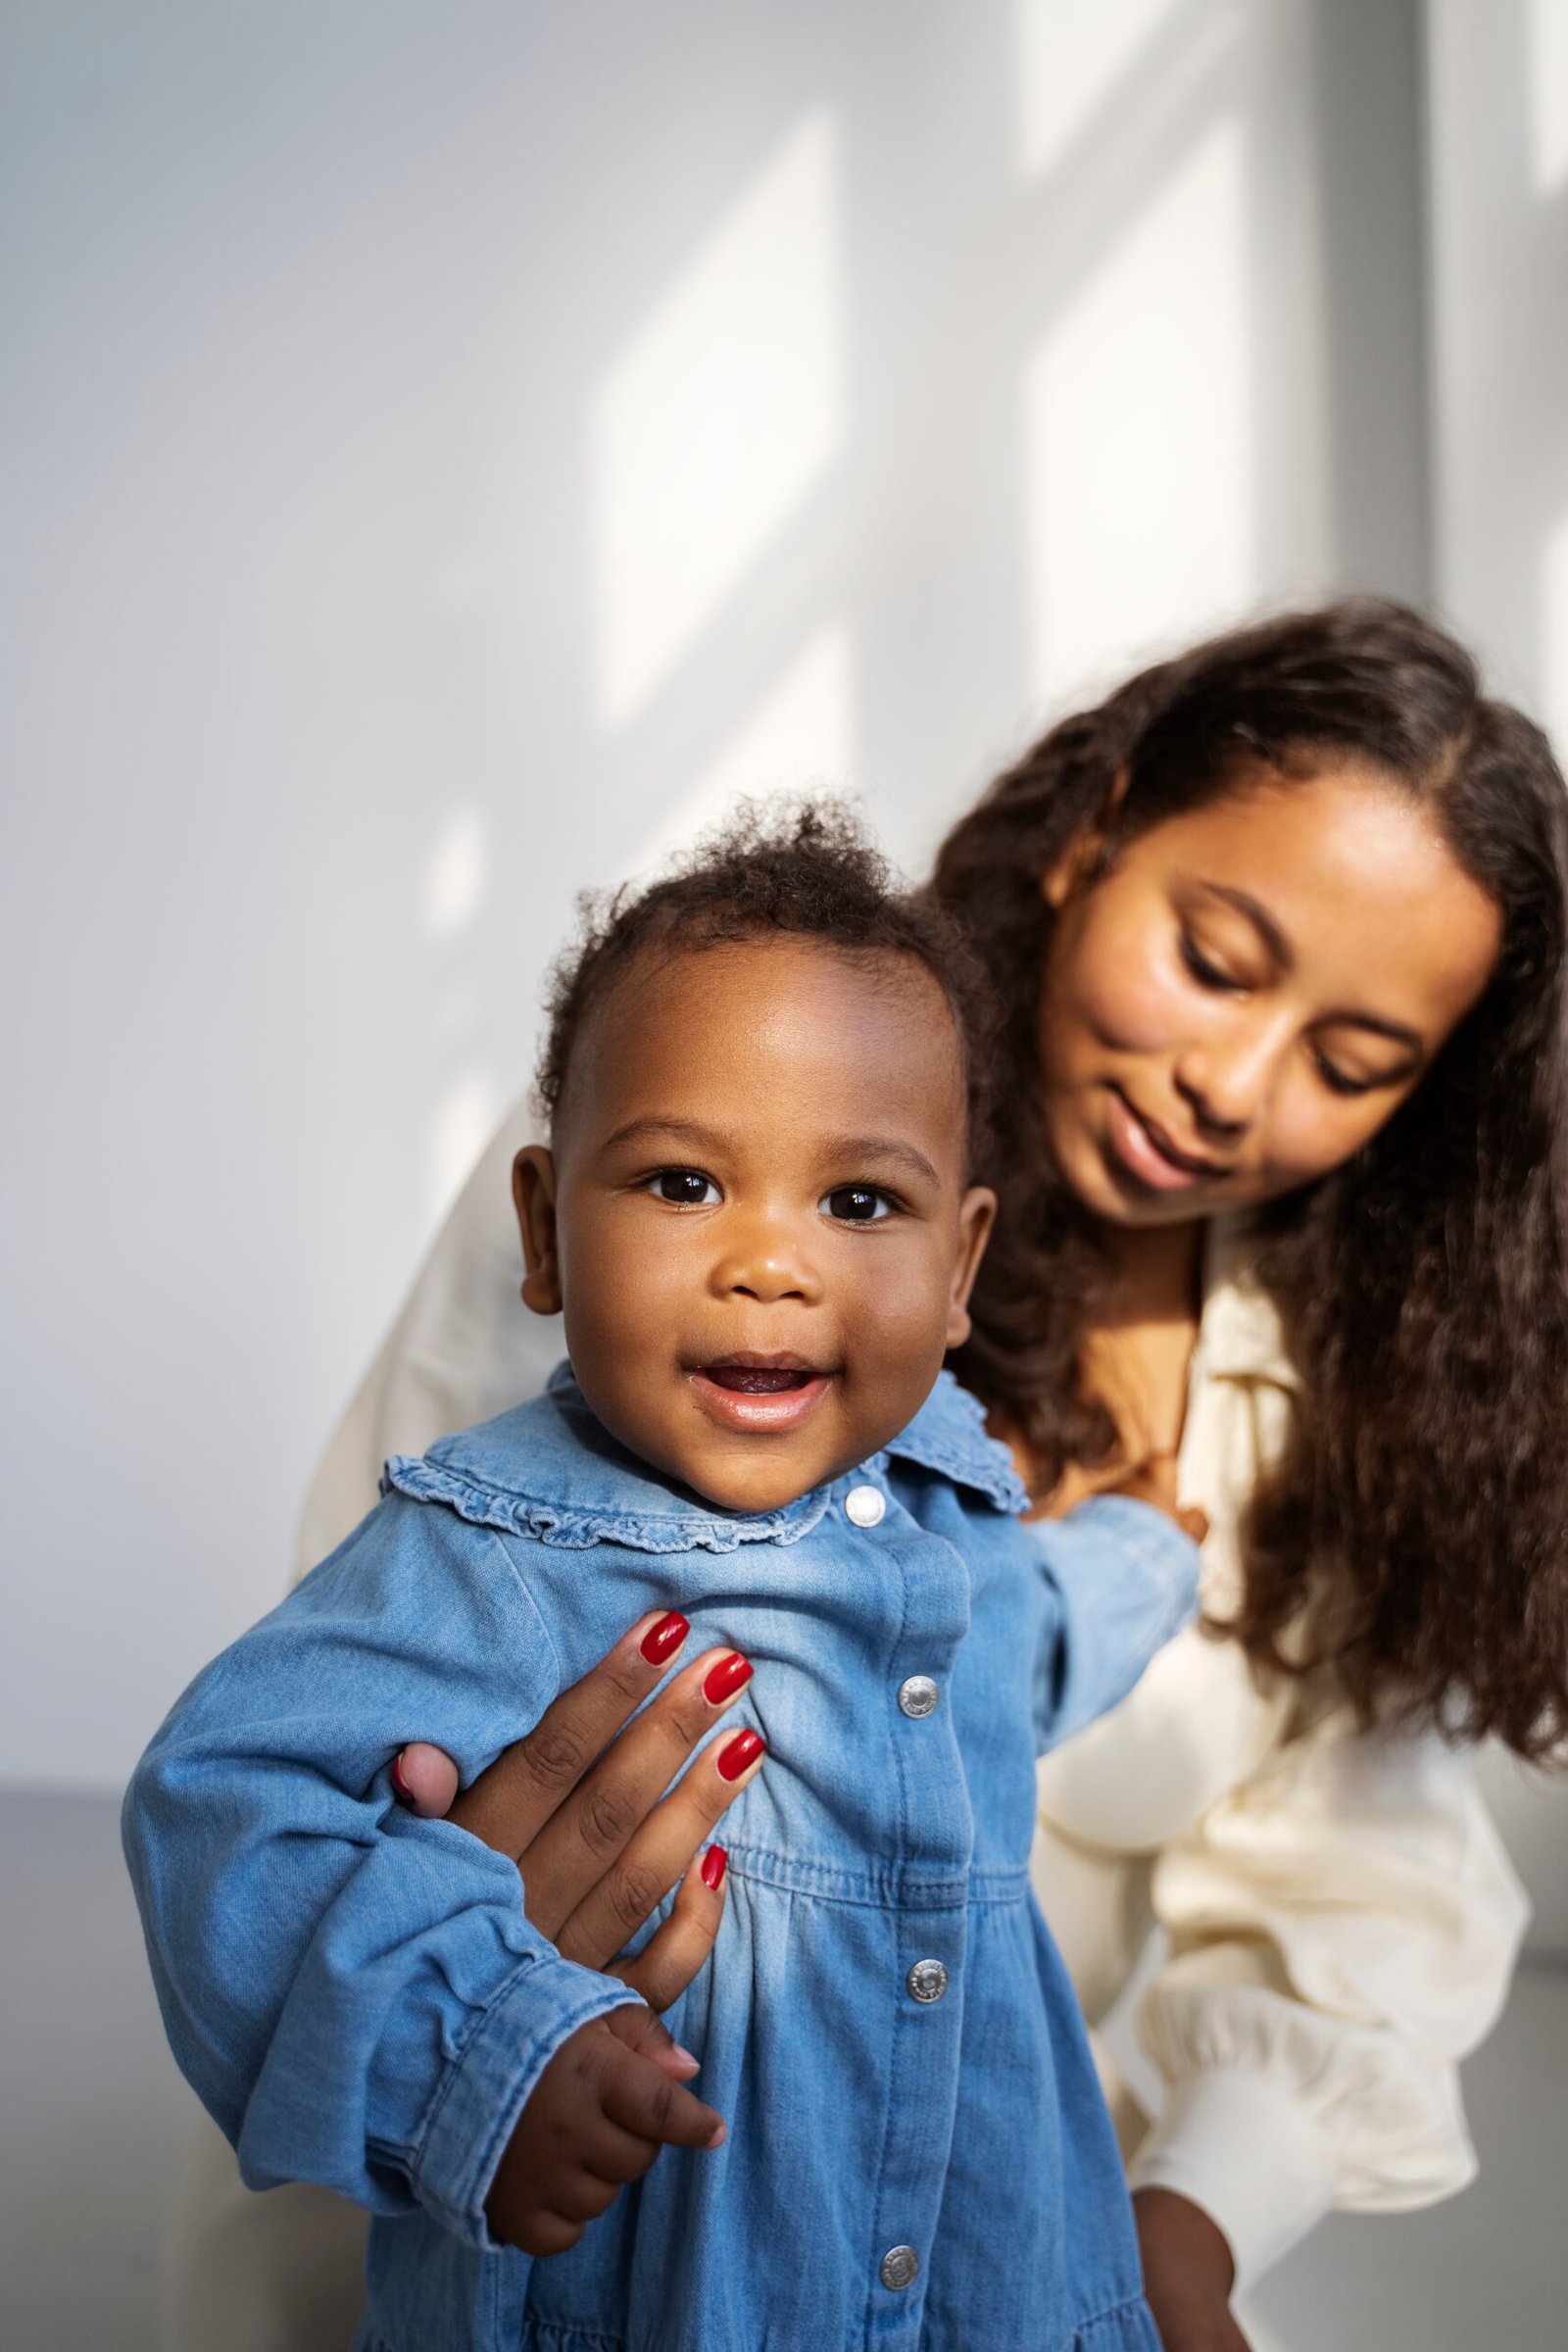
<point>1240,1336</point>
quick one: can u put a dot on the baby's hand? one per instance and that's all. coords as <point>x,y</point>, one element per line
<point>1154,1480</point>
<point>599,2115</point>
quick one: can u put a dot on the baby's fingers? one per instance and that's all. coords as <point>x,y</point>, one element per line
<point>639,2096</point>
<point>678,1950</point>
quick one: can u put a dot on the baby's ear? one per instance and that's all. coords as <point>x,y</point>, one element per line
<point>976,1217</point>
<point>533,1193</point>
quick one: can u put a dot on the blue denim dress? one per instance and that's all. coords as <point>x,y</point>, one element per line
<point>917,2153</point>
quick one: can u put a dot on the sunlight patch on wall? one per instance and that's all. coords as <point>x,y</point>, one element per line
<point>1139,436</point>
<point>717,416</point>
<point>1069,61</point>
<point>457,876</point>
<point>798,735</point>
<point>465,1118</point>
<point>1548,95</point>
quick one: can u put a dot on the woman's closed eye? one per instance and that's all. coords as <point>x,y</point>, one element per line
<point>857,1204</point>
<point>1205,971</point>
<point>683,1188</point>
<point>1346,1082</point>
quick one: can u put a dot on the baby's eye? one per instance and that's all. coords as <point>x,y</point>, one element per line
<point>856,1205</point>
<point>685,1187</point>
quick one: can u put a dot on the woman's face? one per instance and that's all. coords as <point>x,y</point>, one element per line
<point>1250,991</point>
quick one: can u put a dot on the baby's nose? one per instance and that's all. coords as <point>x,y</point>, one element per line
<point>769,1264</point>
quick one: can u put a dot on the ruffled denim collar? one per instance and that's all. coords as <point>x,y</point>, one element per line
<point>551,1470</point>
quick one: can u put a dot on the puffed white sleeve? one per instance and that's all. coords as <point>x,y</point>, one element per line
<point>463,1347</point>
<point>1341,1930</point>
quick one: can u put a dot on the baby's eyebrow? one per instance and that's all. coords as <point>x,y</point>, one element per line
<point>680,1131</point>
<point>840,1148</point>
<point>882,1148</point>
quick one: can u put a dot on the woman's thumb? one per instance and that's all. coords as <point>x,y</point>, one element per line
<point>425,1780</point>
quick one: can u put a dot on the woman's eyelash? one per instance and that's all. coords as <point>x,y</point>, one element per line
<point>1341,1083</point>
<point>1208,975</point>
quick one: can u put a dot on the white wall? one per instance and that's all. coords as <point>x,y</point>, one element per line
<point>446,449</point>
<point>1498,79</point>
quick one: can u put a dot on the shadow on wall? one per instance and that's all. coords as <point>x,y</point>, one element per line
<point>462,451</point>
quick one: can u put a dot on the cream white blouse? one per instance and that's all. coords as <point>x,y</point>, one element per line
<point>1336,1918</point>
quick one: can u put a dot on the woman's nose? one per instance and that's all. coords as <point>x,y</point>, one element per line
<point>1227,1079</point>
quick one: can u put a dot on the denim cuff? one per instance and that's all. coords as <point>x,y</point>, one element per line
<point>491,2080</point>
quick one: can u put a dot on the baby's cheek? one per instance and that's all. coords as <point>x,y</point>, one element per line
<point>895,1324</point>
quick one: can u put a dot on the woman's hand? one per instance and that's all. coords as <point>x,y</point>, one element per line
<point>1153,1481</point>
<point>1188,2273</point>
<point>579,1804</point>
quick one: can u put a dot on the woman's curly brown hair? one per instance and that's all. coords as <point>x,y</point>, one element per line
<point>1414,1537</point>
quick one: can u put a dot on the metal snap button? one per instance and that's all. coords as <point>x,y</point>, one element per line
<point>901,2266</point>
<point>927,1980</point>
<point>919,1695</point>
<point>865,1505</point>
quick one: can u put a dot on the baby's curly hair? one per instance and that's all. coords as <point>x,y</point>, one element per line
<point>807,870</point>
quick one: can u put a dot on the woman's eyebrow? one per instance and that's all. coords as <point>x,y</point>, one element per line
<point>1259,915</point>
<point>1279,946</point>
<point>1397,1030</point>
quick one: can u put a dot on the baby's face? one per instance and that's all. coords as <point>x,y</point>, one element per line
<point>755,1216</point>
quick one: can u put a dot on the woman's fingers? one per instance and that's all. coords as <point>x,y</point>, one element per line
<point>426,1778</point>
<point>613,1851</point>
<point>627,1891</point>
<point>508,1805</point>
<point>679,1947</point>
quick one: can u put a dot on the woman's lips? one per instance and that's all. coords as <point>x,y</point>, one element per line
<point>752,1394</point>
<point>1139,1153</point>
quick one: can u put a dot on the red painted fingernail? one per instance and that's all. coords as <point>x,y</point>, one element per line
<point>714,1863</point>
<point>398,1783</point>
<point>662,1640</point>
<point>741,1751</point>
<point>730,1675</point>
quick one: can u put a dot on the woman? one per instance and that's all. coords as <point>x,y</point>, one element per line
<point>1279,933</point>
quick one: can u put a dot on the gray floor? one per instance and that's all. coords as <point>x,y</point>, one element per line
<point>93,2122</point>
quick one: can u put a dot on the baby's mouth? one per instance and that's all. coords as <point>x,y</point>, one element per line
<point>756,1393</point>
<point>756,1379</point>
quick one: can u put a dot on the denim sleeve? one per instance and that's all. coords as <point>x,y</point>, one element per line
<point>1126,1580</point>
<point>354,1994</point>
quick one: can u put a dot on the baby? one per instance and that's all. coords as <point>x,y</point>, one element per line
<point>766,1083</point>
